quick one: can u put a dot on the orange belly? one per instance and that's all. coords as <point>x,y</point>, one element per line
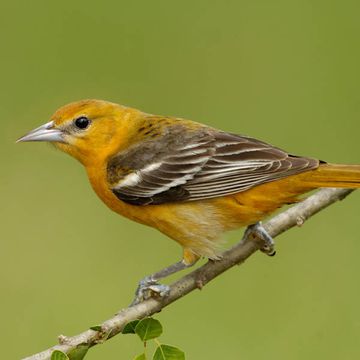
<point>197,226</point>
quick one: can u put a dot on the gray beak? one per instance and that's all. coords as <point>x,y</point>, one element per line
<point>45,132</point>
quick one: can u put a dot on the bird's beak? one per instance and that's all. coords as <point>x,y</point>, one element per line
<point>46,132</point>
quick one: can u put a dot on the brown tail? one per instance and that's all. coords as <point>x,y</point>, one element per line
<point>333,175</point>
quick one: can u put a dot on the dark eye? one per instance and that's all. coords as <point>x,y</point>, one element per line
<point>82,122</point>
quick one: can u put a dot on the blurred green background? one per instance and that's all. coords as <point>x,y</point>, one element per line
<point>284,71</point>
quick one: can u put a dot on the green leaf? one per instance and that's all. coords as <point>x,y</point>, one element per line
<point>140,357</point>
<point>129,328</point>
<point>148,329</point>
<point>96,328</point>
<point>168,352</point>
<point>59,355</point>
<point>79,352</point>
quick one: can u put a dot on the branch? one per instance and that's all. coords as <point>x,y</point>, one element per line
<point>294,216</point>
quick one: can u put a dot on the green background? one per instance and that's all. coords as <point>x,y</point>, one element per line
<point>284,71</point>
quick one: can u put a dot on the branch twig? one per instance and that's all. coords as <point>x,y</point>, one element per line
<point>295,216</point>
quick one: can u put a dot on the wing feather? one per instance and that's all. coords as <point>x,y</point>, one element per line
<point>205,165</point>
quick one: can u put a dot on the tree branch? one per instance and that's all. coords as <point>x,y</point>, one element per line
<point>294,216</point>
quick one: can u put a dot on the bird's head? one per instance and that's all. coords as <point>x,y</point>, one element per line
<point>87,129</point>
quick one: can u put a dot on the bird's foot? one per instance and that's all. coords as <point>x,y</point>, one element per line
<point>259,232</point>
<point>149,287</point>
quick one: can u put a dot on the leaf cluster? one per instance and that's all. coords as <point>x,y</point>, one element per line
<point>150,329</point>
<point>147,329</point>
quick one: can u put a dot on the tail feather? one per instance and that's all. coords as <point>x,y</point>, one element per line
<point>334,175</point>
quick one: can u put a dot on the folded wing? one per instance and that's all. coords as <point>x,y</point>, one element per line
<point>204,164</point>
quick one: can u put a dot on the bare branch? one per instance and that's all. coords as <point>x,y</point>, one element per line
<point>294,216</point>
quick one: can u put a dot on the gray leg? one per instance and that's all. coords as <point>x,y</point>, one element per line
<point>149,284</point>
<point>258,231</point>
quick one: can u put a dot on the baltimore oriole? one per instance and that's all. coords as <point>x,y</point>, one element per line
<point>188,180</point>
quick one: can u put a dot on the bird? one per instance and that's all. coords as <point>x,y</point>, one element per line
<point>190,181</point>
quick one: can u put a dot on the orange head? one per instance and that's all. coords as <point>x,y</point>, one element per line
<point>87,129</point>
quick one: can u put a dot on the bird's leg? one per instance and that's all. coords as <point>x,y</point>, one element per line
<point>149,285</point>
<point>258,231</point>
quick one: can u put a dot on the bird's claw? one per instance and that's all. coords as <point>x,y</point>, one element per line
<point>258,231</point>
<point>149,287</point>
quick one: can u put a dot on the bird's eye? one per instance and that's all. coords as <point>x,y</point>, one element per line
<point>82,122</point>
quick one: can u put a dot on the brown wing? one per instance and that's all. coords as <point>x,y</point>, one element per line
<point>241,163</point>
<point>203,164</point>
